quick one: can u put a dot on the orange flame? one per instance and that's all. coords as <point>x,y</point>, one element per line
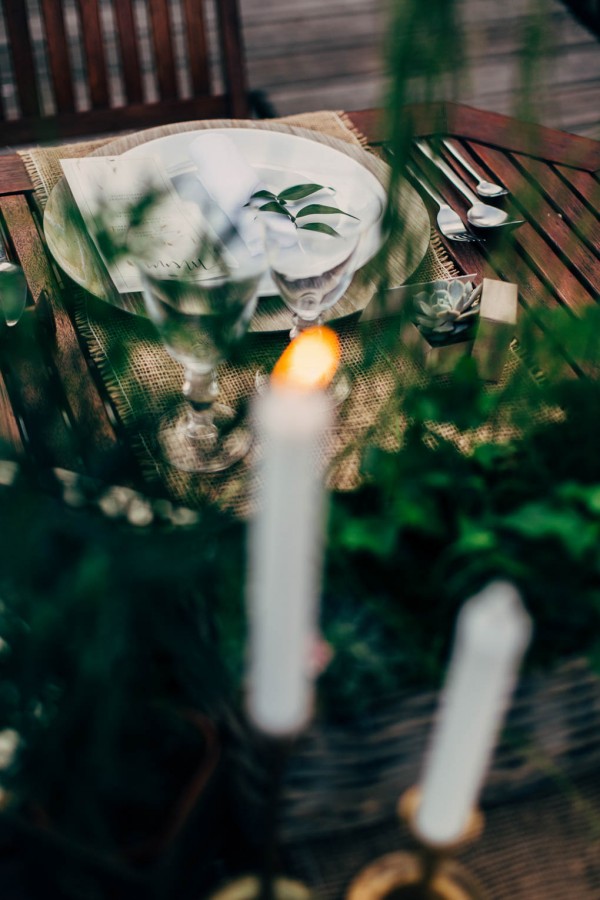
<point>310,361</point>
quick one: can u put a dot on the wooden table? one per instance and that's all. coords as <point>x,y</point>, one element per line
<point>53,408</point>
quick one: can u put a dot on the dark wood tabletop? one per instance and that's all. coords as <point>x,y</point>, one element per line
<point>53,408</point>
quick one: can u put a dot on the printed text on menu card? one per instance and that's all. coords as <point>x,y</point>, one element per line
<point>110,187</point>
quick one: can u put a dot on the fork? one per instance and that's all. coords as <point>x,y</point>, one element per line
<point>448,221</point>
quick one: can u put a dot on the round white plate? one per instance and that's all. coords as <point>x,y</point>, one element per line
<point>281,160</point>
<point>282,156</point>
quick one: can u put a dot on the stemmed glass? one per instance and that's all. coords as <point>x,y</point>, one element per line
<point>13,291</point>
<point>199,317</point>
<point>312,268</point>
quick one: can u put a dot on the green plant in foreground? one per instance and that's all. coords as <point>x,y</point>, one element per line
<point>434,522</point>
<point>107,641</point>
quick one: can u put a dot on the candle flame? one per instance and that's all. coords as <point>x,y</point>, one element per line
<point>310,361</point>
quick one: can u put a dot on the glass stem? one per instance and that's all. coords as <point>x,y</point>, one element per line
<point>201,390</point>
<point>301,324</point>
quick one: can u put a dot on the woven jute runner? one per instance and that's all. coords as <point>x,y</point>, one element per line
<point>144,382</point>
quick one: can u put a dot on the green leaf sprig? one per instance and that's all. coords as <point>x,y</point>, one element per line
<point>279,203</point>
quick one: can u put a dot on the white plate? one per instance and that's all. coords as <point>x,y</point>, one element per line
<point>282,156</point>
<point>281,160</point>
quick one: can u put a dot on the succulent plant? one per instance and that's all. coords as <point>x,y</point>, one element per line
<point>447,309</point>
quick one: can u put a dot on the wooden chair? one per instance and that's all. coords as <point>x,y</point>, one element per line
<point>104,66</point>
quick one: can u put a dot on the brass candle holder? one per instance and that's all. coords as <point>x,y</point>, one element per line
<point>428,873</point>
<point>250,887</point>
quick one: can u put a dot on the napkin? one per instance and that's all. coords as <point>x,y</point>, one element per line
<point>222,185</point>
<point>223,172</point>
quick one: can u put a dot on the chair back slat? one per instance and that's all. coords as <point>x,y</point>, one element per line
<point>93,43</point>
<point>197,45</point>
<point>163,49</point>
<point>80,67</point>
<point>17,26</point>
<point>130,55</point>
<point>58,55</point>
<point>230,32</point>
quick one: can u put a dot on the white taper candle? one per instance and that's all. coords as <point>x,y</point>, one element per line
<point>492,633</point>
<point>285,558</point>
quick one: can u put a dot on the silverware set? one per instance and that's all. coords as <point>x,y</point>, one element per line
<point>449,222</point>
<point>481,217</point>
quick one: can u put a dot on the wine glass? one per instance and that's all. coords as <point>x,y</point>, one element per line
<point>13,291</point>
<point>199,316</point>
<point>311,267</point>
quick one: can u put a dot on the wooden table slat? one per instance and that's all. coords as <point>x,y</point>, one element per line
<point>493,129</point>
<point>14,177</point>
<point>11,445</point>
<point>533,296</point>
<point>82,401</point>
<point>576,214</point>
<point>552,270</point>
<point>523,137</point>
<point>585,185</point>
<point>529,200</point>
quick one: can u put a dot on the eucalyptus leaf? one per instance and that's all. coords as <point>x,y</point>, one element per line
<point>264,195</point>
<point>320,227</point>
<point>300,191</point>
<point>275,207</point>
<point>317,209</point>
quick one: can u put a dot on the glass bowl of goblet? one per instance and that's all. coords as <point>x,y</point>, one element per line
<point>311,268</point>
<point>200,313</point>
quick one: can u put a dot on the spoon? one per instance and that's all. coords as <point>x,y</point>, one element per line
<point>480,215</point>
<point>486,189</point>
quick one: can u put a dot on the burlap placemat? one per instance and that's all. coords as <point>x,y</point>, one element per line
<point>143,381</point>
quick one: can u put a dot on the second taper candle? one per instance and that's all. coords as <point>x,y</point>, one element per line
<point>492,633</point>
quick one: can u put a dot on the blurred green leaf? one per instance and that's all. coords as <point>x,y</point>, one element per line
<point>317,209</point>
<point>300,191</point>
<point>322,227</point>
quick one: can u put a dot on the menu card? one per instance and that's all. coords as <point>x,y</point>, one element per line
<point>173,235</point>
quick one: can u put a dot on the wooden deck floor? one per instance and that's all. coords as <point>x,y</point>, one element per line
<point>317,54</point>
<point>314,54</point>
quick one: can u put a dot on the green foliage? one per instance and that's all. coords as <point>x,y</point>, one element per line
<point>108,641</point>
<point>486,484</point>
<point>434,523</point>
